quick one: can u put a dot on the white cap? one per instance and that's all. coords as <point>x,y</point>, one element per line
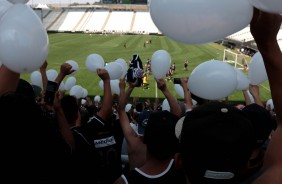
<point>128,107</point>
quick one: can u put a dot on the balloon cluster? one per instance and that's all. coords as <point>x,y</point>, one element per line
<point>117,69</point>
<point>213,80</point>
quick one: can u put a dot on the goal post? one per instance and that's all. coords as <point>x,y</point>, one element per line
<point>233,58</point>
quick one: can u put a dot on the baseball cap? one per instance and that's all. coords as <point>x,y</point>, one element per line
<point>261,120</point>
<point>142,121</point>
<point>216,142</point>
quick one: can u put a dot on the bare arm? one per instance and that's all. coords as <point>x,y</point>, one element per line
<point>62,122</point>
<point>129,133</point>
<point>136,147</point>
<point>246,97</point>
<point>254,90</point>
<point>106,108</point>
<point>264,28</point>
<point>187,94</point>
<point>173,103</point>
<point>65,70</point>
<point>44,76</point>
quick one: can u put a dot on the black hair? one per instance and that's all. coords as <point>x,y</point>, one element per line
<point>70,108</point>
<point>159,135</point>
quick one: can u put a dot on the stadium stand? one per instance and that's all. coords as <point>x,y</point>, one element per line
<point>121,19</point>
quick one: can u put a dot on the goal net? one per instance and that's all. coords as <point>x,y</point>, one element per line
<point>233,58</point>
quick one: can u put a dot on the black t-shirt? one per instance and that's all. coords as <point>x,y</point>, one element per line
<point>98,150</point>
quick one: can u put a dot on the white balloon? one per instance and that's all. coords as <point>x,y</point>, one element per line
<point>115,86</point>
<point>85,93</point>
<point>271,6</point>
<point>83,101</point>
<point>242,81</point>
<point>179,90</point>
<point>213,80</point>
<point>160,63</point>
<point>194,102</point>
<point>74,66</point>
<point>97,98</point>
<point>70,82</point>
<point>76,91</point>
<point>200,21</point>
<point>257,72</point>
<point>23,39</point>
<point>124,66</point>
<point>101,84</point>
<point>115,70</point>
<point>18,1</point>
<point>36,78</point>
<point>94,61</point>
<point>51,74</point>
<point>165,105</point>
<point>4,6</point>
<point>62,86</point>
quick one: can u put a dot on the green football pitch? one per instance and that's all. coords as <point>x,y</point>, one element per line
<point>76,46</point>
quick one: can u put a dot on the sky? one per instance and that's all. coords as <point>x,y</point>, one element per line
<point>60,1</point>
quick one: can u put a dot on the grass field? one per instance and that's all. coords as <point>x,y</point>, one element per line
<point>67,46</point>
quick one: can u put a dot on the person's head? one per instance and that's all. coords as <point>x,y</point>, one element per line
<point>139,106</point>
<point>142,121</point>
<point>70,108</point>
<point>262,122</point>
<point>159,135</point>
<point>200,101</point>
<point>147,103</point>
<point>25,88</point>
<point>216,142</point>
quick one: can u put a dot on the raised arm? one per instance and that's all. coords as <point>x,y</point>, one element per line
<point>172,101</point>
<point>44,77</point>
<point>65,130</point>
<point>106,108</point>
<point>264,28</point>
<point>65,70</point>
<point>128,131</point>
<point>254,90</point>
<point>187,95</point>
<point>246,97</point>
<point>135,146</point>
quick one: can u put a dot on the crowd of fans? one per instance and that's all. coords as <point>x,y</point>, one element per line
<point>82,140</point>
